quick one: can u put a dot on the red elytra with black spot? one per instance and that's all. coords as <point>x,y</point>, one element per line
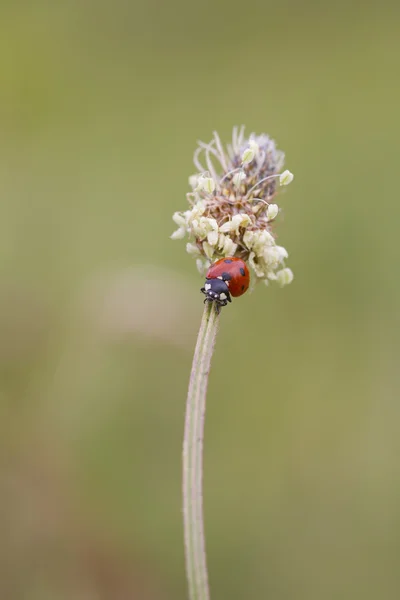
<point>234,272</point>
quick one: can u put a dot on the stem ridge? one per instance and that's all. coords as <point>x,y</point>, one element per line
<point>195,553</point>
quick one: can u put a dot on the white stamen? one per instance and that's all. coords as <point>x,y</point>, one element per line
<point>241,135</point>
<point>234,140</point>
<point>196,161</point>
<point>259,183</point>
<point>221,151</point>
<point>230,173</point>
<point>210,165</point>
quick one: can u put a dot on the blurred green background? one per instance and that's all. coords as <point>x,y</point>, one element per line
<point>101,105</point>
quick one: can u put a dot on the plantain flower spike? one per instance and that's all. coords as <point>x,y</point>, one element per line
<point>232,205</point>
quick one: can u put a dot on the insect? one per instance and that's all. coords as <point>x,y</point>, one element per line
<point>225,278</point>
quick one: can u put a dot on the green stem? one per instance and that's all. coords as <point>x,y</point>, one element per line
<point>193,521</point>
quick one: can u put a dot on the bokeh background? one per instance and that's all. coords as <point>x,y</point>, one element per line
<point>101,105</point>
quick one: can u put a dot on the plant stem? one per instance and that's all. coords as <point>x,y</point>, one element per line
<point>193,521</point>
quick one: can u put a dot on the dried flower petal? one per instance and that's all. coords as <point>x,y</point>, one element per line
<point>208,250</point>
<point>179,219</point>
<point>179,234</point>
<point>229,248</point>
<point>202,266</point>
<point>212,237</point>
<point>192,249</point>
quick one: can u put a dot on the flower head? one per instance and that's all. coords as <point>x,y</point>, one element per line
<point>233,205</point>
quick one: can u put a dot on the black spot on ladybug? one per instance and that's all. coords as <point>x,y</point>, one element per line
<point>226,276</point>
<point>242,271</point>
<point>228,260</point>
<point>242,288</point>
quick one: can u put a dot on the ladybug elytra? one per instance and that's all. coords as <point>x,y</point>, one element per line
<point>225,278</point>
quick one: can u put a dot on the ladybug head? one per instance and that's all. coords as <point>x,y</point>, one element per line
<point>216,290</point>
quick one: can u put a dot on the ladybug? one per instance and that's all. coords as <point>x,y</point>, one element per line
<point>225,278</point>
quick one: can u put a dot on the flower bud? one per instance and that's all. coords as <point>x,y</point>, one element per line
<point>226,227</point>
<point>286,177</point>
<point>238,178</point>
<point>240,220</point>
<point>248,155</point>
<point>248,239</point>
<point>179,219</point>
<point>179,234</point>
<point>199,183</point>
<point>192,249</point>
<point>196,212</point>
<point>208,184</point>
<point>284,276</point>
<point>271,275</point>
<point>212,237</point>
<point>202,266</point>
<point>226,245</point>
<point>282,253</point>
<point>272,211</point>
<point>194,181</point>
<point>255,266</point>
<point>208,250</point>
<point>229,247</point>
<point>202,227</point>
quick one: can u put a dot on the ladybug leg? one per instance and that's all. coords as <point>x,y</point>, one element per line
<point>219,304</point>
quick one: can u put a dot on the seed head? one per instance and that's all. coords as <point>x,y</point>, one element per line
<point>233,205</point>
